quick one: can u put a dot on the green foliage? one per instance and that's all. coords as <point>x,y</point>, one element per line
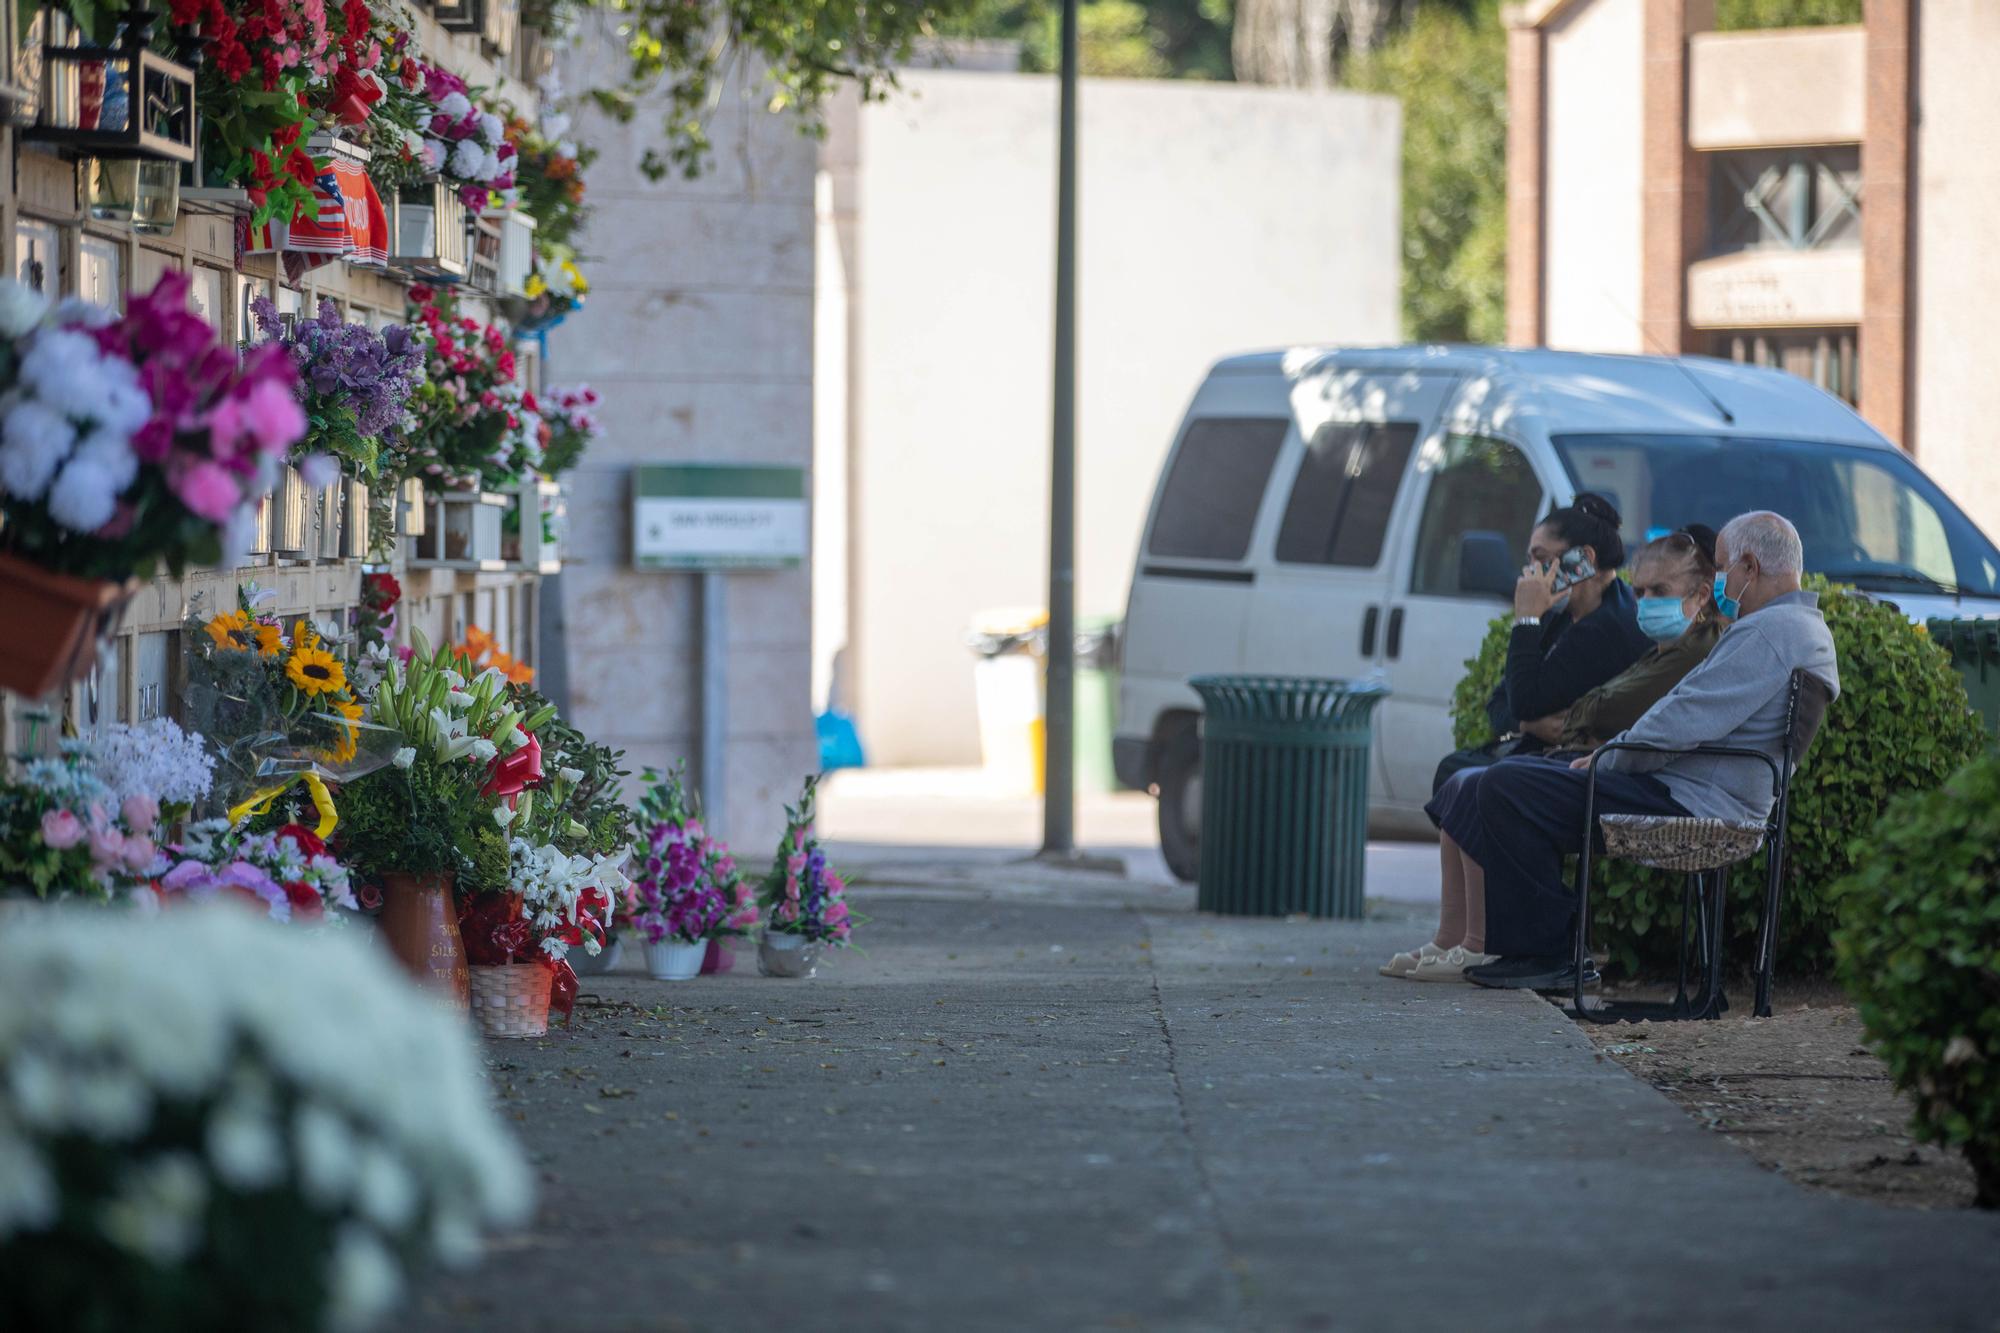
<point>1469,727</point>
<point>1450,69</point>
<point>1751,15</point>
<point>1186,39</point>
<point>591,801</point>
<point>427,819</point>
<point>1919,950</point>
<point>1901,723</point>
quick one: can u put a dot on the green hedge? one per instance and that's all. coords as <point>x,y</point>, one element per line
<point>1919,950</point>
<point>1902,723</point>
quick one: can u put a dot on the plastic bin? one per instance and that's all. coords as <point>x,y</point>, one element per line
<point>1009,687</point>
<point>1284,802</point>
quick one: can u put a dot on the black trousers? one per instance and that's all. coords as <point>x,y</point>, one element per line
<point>1530,818</point>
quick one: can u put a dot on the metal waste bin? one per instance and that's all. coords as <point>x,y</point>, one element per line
<point>1284,794</point>
<point>1974,646</point>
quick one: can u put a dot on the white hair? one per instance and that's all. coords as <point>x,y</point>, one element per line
<point>1768,536</point>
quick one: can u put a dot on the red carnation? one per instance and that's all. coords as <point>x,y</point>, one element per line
<point>306,904</point>
<point>308,841</point>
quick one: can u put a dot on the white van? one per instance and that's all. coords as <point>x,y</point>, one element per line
<point>1365,513</point>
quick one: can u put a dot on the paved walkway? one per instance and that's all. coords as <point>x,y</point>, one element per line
<point>1028,1110</point>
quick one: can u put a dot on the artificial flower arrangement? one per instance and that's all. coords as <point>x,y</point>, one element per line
<point>212,1122</point>
<point>87,824</point>
<point>687,891</point>
<point>286,872</point>
<point>273,701</point>
<point>469,405</point>
<point>463,142</point>
<point>259,58</point>
<point>355,384</point>
<point>555,289</point>
<point>571,416</point>
<point>802,898</point>
<point>126,443</point>
<point>549,167</point>
<point>375,616</point>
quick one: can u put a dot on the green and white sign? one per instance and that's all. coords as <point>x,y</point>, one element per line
<point>718,516</point>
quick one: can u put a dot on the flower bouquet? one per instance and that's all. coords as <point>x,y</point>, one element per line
<point>463,143</point>
<point>126,442</point>
<point>375,617</point>
<point>355,385</point>
<point>584,790</point>
<point>469,403</point>
<point>258,61</point>
<point>570,414</point>
<point>287,872</point>
<point>678,908</point>
<point>215,1123</point>
<point>803,900</point>
<point>85,825</point>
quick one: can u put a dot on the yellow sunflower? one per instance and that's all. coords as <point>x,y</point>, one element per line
<point>230,630</point>
<point>315,671</point>
<point>350,736</point>
<point>270,639</point>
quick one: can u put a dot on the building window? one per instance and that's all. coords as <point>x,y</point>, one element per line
<point>1824,356</point>
<point>1785,199</point>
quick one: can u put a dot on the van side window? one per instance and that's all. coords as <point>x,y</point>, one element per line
<point>1339,509</point>
<point>1482,484</point>
<point>1209,503</point>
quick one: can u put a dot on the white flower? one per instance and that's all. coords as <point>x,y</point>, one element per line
<point>455,105</point>
<point>492,128</point>
<point>503,815</point>
<point>459,699</point>
<point>362,1278</point>
<point>555,124</point>
<point>157,1212</point>
<point>453,679</point>
<point>435,154</point>
<point>84,497</point>
<point>112,451</point>
<point>245,1147</point>
<point>571,775</point>
<point>33,443</point>
<point>384,1190</point>
<point>516,739</point>
<point>569,148</point>
<point>155,758</point>
<point>467,157</point>
<point>484,750</point>
<point>86,314</point>
<point>319,470</point>
<point>21,308</point>
<point>28,1200</point>
<point>489,164</point>
<point>324,1148</point>
<point>61,367</point>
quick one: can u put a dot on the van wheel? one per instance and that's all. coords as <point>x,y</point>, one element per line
<point>1180,803</point>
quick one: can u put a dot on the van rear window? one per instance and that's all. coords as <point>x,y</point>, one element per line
<point>1209,503</point>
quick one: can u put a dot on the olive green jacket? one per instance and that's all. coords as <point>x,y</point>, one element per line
<point>1624,699</point>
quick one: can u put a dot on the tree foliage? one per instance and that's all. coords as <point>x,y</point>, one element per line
<point>1449,68</point>
<point>1741,15</point>
<point>1155,39</point>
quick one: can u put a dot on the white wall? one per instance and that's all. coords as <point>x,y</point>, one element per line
<point>1957,265</point>
<point>1592,194</point>
<point>699,334</point>
<point>1213,220</point>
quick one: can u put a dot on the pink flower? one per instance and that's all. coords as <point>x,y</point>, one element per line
<point>141,812</point>
<point>225,427</point>
<point>106,845</point>
<point>61,830</point>
<point>139,851</point>
<point>836,914</point>
<point>273,415</point>
<point>792,887</point>
<point>154,440</point>
<point>208,490</point>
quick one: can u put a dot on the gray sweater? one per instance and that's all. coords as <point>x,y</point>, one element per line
<point>1737,697</point>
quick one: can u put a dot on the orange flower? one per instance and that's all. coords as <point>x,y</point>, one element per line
<point>519,673</point>
<point>478,643</point>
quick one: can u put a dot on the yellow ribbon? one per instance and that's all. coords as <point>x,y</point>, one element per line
<point>260,801</point>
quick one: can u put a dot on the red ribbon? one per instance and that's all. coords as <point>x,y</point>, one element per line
<point>510,775</point>
<point>562,990</point>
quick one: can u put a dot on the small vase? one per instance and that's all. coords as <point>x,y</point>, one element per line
<point>719,959</point>
<point>420,924</point>
<point>670,960</point>
<point>512,999</point>
<point>782,954</point>
<point>53,625</point>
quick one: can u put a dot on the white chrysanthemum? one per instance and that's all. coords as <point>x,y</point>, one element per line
<point>28,1199</point>
<point>238,534</point>
<point>435,154</point>
<point>492,128</point>
<point>112,451</point>
<point>362,1278</point>
<point>156,758</point>
<point>489,164</point>
<point>404,757</point>
<point>467,157</point>
<point>324,1148</point>
<point>157,1212</point>
<point>34,441</point>
<point>386,1194</point>
<point>84,497</point>
<point>123,404</point>
<point>75,311</point>
<point>455,105</point>
<point>61,367</point>
<point>484,750</point>
<point>570,775</point>
<point>244,1145</point>
<point>21,308</point>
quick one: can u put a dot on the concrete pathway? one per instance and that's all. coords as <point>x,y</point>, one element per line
<point>1085,1113</point>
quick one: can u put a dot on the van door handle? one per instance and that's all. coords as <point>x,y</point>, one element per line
<point>1368,623</point>
<point>1395,633</point>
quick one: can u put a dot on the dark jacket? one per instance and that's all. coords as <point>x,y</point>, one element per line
<point>1546,673</point>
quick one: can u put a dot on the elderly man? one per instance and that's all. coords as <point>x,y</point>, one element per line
<point>1531,810</point>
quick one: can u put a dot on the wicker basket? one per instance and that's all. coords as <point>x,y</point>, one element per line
<point>1668,842</point>
<point>512,999</point>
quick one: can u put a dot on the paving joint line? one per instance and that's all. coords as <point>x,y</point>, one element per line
<point>1235,1282</point>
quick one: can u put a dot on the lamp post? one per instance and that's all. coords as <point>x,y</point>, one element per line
<point>1058,758</point>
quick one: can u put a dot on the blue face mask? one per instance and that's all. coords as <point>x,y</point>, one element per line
<point>1727,605</point>
<point>1661,619</point>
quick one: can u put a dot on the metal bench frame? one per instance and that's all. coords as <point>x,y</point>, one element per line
<point>1805,709</point>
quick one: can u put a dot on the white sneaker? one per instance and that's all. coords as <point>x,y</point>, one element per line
<point>1403,964</point>
<point>1450,965</point>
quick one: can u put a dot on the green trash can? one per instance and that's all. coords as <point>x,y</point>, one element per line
<point>1096,702</point>
<point>1974,646</point>
<point>1284,794</point>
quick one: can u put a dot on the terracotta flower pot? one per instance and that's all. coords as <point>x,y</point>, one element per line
<point>420,923</point>
<point>53,624</point>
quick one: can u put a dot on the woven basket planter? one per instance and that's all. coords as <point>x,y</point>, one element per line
<point>512,1000</point>
<point>1668,842</point>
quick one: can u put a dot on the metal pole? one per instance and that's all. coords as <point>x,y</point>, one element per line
<point>1059,773</point>
<point>714,697</point>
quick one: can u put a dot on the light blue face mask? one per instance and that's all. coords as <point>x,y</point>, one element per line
<point>1661,619</point>
<point>1727,605</point>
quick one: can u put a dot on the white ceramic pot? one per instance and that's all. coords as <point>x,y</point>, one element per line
<point>670,960</point>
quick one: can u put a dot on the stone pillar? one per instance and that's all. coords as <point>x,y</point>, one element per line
<point>1885,219</point>
<point>1674,223</point>
<point>1526,105</point>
